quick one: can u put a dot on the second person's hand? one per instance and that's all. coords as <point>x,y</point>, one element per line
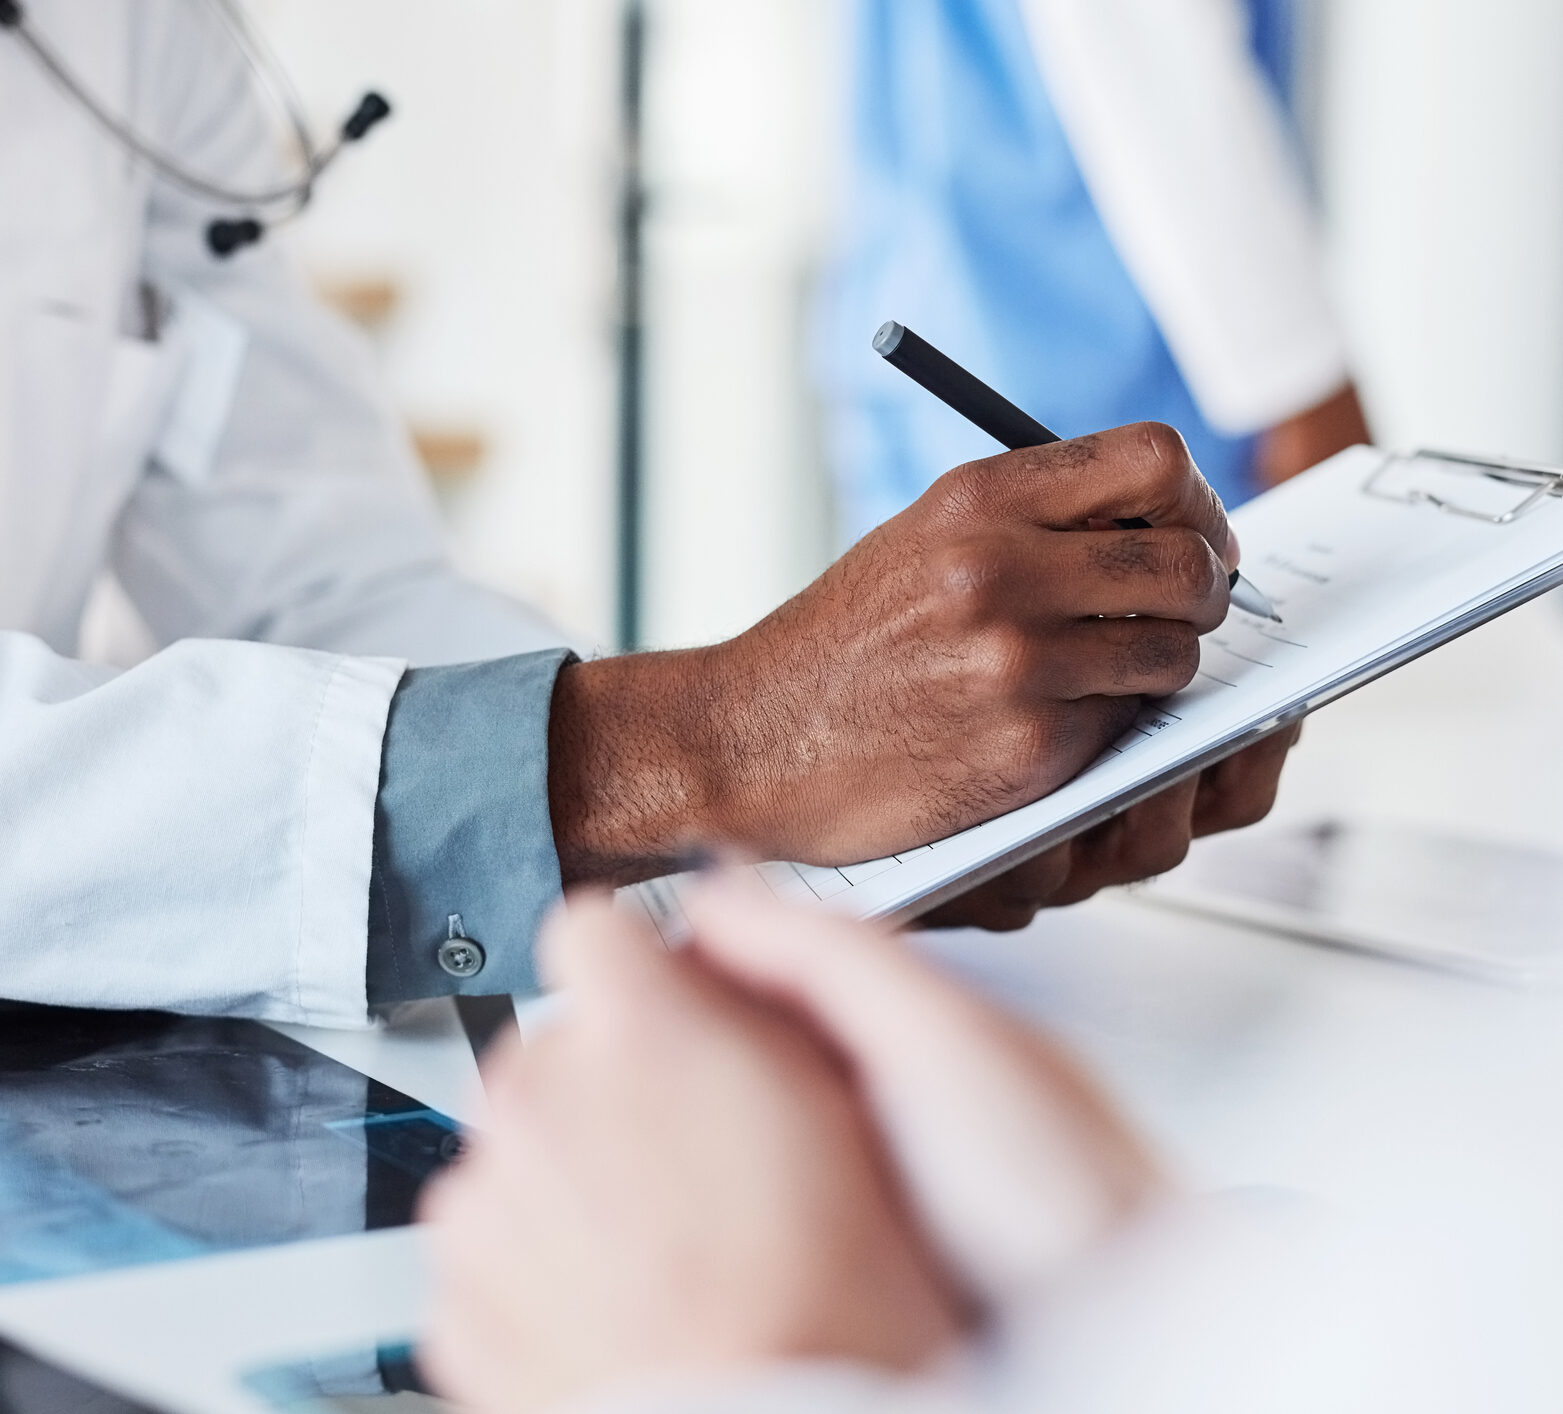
<point>678,1179</point>
<point>793,1141</point>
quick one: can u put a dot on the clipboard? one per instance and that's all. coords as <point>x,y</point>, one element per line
<point>1375,559</point>
<point>1534,484</point>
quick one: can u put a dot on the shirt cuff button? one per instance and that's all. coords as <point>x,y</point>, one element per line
<point>461,957</point>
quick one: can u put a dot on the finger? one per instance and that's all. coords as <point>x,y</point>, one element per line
<point>603,955</point>
<point>1143,471</point>
<point>1148,839</point>
<point>1168,573</point>
<point>1241,790</point>
<point>1008,903</point>
<point>622,982</point>
<point>1119,658</point>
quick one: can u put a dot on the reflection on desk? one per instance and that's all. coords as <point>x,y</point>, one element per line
<point>128,1138</point>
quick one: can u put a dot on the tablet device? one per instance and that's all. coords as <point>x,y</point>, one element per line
<point>135,1137</point>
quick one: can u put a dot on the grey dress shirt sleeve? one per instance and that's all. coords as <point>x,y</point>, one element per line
<point>464,859</point>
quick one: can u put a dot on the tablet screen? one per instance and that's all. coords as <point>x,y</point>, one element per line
<point>139,1137</point>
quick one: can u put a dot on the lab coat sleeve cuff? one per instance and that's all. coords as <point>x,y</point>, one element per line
<point>463,841</point>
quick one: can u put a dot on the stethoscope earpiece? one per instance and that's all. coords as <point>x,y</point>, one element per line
<point>225,237</point>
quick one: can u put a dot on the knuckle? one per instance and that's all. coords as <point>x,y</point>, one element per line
<point>1164,656</point>
<point>1188,567</point>
<point>1120,716</point>
<point>969,577</point>
<point>1085,729</point>
<point>1000,662</point>
<point>962,492</point>
<point>1165,453</point>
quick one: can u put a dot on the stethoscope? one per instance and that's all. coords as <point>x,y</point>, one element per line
<point>286,200</point>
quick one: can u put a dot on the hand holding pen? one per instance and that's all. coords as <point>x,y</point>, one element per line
<point>968,656</point>
<point>1005,423</point>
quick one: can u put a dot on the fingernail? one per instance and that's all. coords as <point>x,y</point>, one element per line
<point>1234,555</point>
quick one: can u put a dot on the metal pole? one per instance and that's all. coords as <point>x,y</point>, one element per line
<point>631,216</point>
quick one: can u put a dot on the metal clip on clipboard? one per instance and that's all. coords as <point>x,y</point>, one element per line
<point>1534,482</point>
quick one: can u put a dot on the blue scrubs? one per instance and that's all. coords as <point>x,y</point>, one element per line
<point>969,220</point>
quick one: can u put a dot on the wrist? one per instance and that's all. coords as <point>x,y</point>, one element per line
<point>642,765</point>
<point>1312,436</point>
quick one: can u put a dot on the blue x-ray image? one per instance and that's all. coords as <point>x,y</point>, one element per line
<point>128,1138</point>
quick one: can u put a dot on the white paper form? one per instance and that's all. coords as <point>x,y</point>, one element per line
<point>1357,578</point>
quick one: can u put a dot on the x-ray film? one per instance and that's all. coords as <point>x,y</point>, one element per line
<point>128,1138</point>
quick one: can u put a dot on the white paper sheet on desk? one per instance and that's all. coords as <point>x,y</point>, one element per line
<point>1355,577</point>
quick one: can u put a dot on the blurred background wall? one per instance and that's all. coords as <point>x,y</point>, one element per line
<point>1438,128</point>
<point>475,235</point>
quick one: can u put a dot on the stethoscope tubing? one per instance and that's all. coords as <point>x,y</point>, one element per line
<point>270,76</point>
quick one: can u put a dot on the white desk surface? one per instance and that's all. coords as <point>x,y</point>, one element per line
<point>1252,1060</point>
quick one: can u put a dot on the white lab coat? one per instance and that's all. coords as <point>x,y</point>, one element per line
<point>195,832</point>
<point>1186,156</point>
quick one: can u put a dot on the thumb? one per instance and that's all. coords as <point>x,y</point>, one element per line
<point>856,981</point>
<point>605,956</point>
<point>1146,473</point>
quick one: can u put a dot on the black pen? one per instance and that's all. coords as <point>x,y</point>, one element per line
<point>1004,422</point>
